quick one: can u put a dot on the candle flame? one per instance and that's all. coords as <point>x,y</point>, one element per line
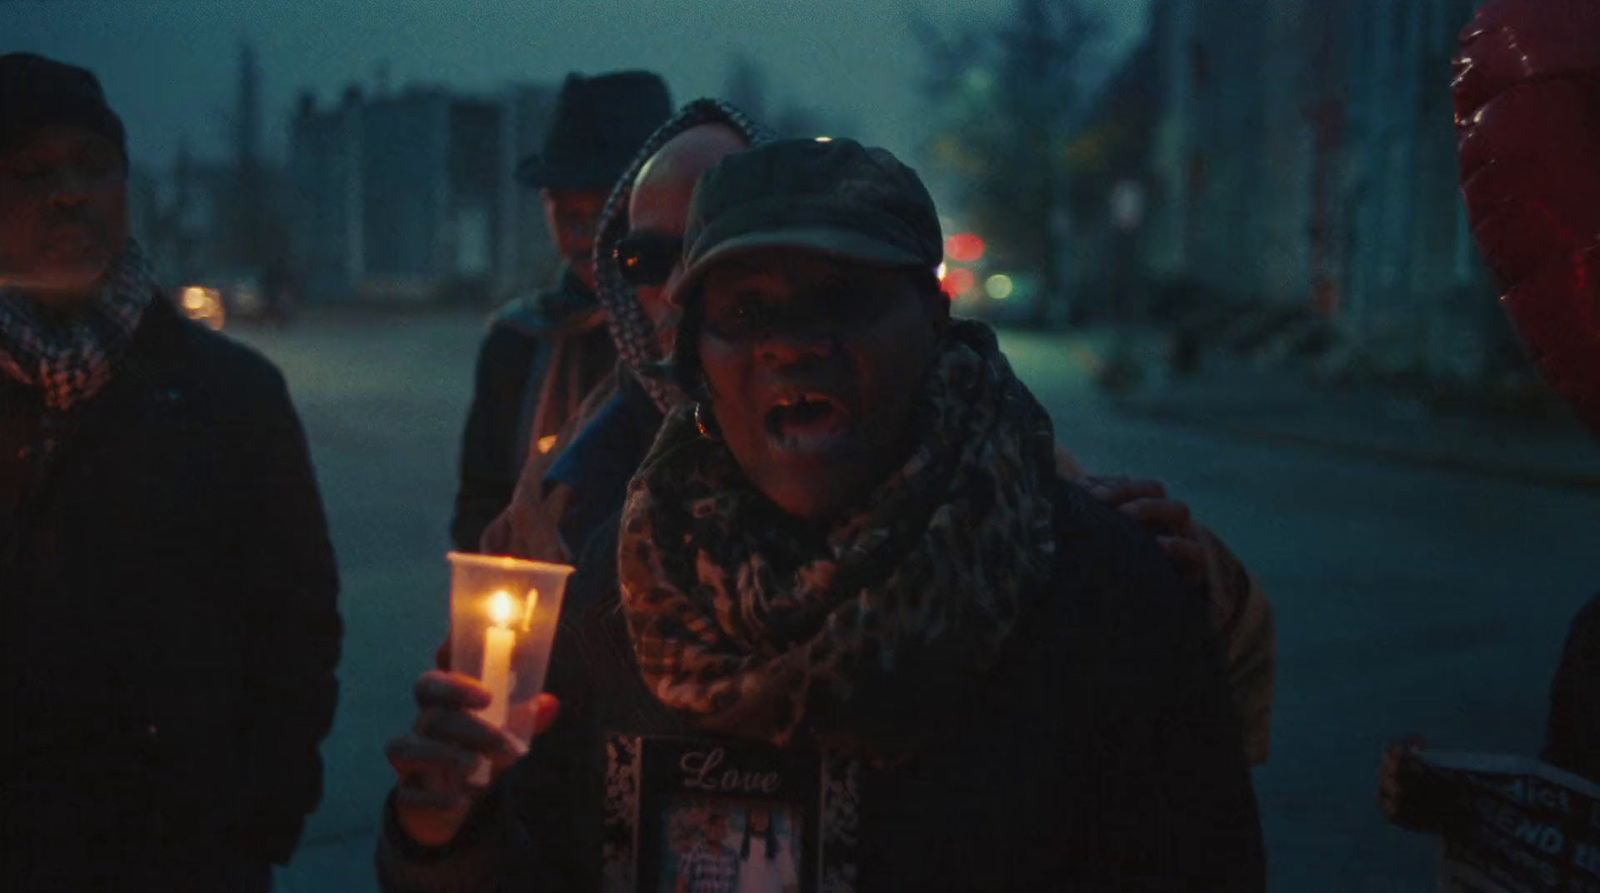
<point>502,608</point>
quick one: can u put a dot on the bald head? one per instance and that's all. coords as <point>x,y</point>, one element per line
<point>662,190</point>
<point>659,205</point>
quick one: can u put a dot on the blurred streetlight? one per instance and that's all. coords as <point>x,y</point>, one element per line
<point>203,305</point>
<point>999,286</point>
<point>963,247</point>
<point>958,281</point>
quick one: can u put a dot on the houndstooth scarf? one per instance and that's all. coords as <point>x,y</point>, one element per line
<point>70,357</point>
<point>750,627</point>
<point>631,329</point>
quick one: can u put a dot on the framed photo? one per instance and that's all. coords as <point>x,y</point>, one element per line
<point>713,816</point>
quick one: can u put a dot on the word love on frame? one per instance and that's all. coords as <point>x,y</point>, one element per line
<point>728,817</point>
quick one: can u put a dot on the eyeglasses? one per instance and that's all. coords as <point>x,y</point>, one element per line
<point>647,259</point>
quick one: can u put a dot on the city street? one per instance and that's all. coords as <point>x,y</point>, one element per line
<point>1408,600</point>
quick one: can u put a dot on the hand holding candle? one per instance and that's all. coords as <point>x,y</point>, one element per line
<point>503,617</point>
<point>434,761</point>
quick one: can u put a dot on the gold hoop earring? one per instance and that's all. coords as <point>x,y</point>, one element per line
<point>701,424</point>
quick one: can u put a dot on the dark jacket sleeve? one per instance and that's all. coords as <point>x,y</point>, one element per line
<point>1210,805</point>
<point>295,630</point>
<point>1573,737</point>
<point>1180,809</point>
<point>489,466</point>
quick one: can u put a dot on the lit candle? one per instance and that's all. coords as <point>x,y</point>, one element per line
<point>497,645</point>
<point>499,641</point>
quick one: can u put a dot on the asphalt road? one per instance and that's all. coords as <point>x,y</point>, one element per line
<point>1408,600</point>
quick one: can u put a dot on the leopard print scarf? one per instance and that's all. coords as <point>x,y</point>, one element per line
<point>750,626</point>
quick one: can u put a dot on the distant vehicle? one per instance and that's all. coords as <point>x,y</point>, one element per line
<point>203,305</point>
<point>240,294</point>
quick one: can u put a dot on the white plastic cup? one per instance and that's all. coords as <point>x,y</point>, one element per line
<point>503,614</point>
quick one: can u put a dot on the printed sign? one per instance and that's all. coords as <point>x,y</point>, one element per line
<point>710,816</point>
<point>1515,825</point>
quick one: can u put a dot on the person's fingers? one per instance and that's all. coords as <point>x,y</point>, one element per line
<point>450,691</point>
<point>1168,514</point>
<point>1396,753</point>
<point>546,708</point>
<point>1393,787</point>
<point>429,817</point>
<point>1388,794</point>
<point>1186,556</point>
<point>465,730</point>
<point>1181,548</point>
<point>1389,806</point>
<point>1388,780</point>
<point>1115,491</point>
<point>527,720</point>
<point>410,754</point>
<point>418,799</point>
<point>1391,757</point>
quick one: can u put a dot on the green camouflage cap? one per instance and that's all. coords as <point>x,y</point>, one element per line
<point>832,197</point>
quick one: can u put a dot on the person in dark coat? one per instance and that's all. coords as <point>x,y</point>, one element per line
<point>544,354</point>
<point>854,539</point>
<point>563,496</point>
<point>170,628</point>
<point>564,493</point>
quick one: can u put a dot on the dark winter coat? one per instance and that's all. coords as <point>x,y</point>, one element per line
<point>556,338</point>
<point>1573,741</point>
<point>170,624</point>
<point>1104,754</point>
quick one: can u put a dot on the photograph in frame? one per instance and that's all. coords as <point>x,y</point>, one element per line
<point>712,816</point>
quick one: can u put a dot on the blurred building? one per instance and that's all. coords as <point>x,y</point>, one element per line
<point>1298,165</point>
<point>527,259</point>
<point>217,221</point>
<point>186,218</point>
<point>410,197</point>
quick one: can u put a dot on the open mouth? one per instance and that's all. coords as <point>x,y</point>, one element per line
<point>807,421</point>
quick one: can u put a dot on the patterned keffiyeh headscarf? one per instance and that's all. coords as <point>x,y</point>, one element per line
<point>70,358</point>
<point>749,627</point>
<point>631,329</point>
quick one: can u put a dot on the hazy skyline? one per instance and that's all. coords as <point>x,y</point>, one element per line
<point>170,66</point>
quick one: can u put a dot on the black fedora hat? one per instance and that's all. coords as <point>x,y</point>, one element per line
<point>598,126</point>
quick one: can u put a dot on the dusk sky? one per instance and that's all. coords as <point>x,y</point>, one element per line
<point>170,66</point>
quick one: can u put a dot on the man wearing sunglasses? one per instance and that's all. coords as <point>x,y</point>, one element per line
<point>564,493</point>
<point>544,353</point>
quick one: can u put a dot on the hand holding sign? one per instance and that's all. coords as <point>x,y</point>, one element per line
<point>1510,824</point>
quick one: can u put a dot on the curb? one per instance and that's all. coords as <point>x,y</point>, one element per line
<point>1527,474</point>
